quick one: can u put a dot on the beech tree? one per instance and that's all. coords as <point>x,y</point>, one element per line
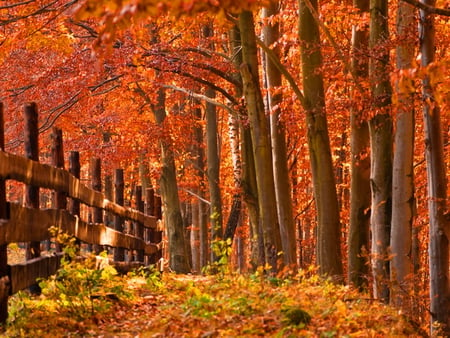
<point>380,127</point>
<point>439,230</point>
<point>328,252</point>
<point>261,144</point>
<point>283,189</point>
<point>359,233</point>
<point>403,199</point>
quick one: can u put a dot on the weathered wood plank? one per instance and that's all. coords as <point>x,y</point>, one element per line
<point>45,176</point>
<point>27,224</point>
<point>25,274</point>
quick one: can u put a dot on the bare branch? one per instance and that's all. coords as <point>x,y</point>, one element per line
<point>106,90</point>
<point>429,9</point>
<point>17,4</point>
<point>202,81</point>
<point>93,33</point>
<point>97,86</point>
<point>201,97</point>
<point>197,196</point>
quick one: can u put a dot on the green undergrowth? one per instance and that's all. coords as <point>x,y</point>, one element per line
<point>84,302</point>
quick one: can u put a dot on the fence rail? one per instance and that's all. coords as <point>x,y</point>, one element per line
<point>32,224</point>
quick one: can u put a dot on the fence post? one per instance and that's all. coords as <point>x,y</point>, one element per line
<point>119,253</point>
<point>4,279</point>
<point>59,199</point>
<point>149,210</point>
<point>139,228</point>
<point>33,249</point>
<point>96,183</point>
<point>74,169</point>
<point>109,195</point>
<point>32,153</point>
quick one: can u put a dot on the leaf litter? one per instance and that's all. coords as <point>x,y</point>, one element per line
<point>224,306</point>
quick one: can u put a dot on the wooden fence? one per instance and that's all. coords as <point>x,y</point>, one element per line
<point>30,223</point>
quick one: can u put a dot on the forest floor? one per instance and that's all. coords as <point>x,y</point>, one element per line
<point>84,302</point>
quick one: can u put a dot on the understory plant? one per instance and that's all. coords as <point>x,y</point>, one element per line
<point>81,287</point>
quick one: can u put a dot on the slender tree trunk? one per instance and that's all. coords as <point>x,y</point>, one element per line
<point>213,171</point>
<point>329,256</point>
<point>178,256</point>
<point>261,143</point>
<point>403,200</point>
<point>235,212</point>
<point>437,184</point>
<point>358,237</point>
<point>248,183</point>
<point>283,191</point>
<point>199,233</point>
<point>213,160</point>
<point>380,127</point>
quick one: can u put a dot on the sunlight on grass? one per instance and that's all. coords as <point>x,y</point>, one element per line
<point>231,305</point>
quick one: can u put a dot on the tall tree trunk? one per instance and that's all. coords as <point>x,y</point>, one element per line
<point>380,127</point>
<point>437,183</point>
<point>283,191</point>
<point>235,212</point>
<point>261,143</point>
<point>403,200</point>
<point>358,237</point>
<point>213,160</point>
<point>199,234</point>
<point>248,178</point>
<point>329,256</point>
<point>178,256</point>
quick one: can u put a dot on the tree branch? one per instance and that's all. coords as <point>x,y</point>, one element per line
<point>90,30</point>
<point>274,58</point>
<point>201,97</point>
<point>97,86</point>
<point>427,8</point>
<point>200,80</point>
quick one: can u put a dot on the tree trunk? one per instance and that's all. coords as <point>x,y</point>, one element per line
<point>213,160</point>
<point>358,237</point>
<point>380,127</point>
<point>248,182</point>
<point>329,256</point>
<point>403,200</point>
<point>199,233</point>
<point>261,144</point>
<point>283,191</point>
<point>437,184</point>
<point>178,256</point>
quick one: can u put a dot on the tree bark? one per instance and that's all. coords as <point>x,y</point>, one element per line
<point>358,237</point>
<point>403,200</point>
<point>178,256</point>
<point>283,191</point>
<point>261,144</point>
<point>329,256</point>
<point>437,184</point>
<point>380,127</point>
<point>248,183</point>
<point>213,161</point>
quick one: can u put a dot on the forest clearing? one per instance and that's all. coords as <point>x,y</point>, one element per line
<point>294,151</point>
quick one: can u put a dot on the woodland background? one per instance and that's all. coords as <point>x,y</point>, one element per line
<point>309,134</point>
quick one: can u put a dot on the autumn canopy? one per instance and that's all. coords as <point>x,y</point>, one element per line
<point>283,133</point>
